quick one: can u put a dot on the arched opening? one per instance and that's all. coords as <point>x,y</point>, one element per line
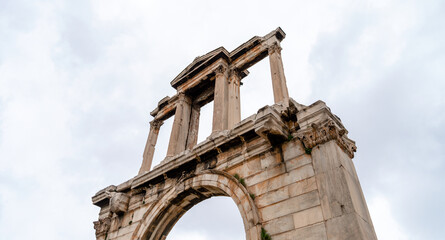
<point>216,218</point>
<point>163,214</point>
<point>256,91</point>
<point>205,121</point>
<point>162,142</point>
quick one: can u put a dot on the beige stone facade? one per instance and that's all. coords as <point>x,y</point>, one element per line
<point>288,168</point>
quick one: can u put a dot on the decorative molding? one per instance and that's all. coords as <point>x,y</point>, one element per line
<point>119,203</point>
<point>102,226</point>
<point>220,70</point>
<point>156,124</point>
<point>322,133</point>
<point>235,75</point>
<point>183,98</point>
<point>185,175</point>
<point>274,48</point>
<point>289,116</point>
<point>137,191</point>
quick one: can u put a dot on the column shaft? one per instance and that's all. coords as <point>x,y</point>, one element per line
<point>149,150</point>
<point>279,85</point>
<point>179,133</point>
<point>234,108</point>
<point>192,138</point>
<point>220,100</point>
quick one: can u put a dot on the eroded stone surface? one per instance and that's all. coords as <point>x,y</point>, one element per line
<point>288,168</point>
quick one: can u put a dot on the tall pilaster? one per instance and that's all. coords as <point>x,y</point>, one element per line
<point>147,160</point>
<point>234,108</point>
<point>192,138</point>
<point>221,99</point>
<point>179,133</point>
<point>279,85</point>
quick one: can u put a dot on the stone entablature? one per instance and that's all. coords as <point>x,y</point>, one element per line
<point>288,168</point>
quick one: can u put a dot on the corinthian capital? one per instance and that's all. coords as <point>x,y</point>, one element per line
<point>156,124</point>
<point>274,48</point>
<point>102,226</point>
<point>220,70</point>
<point>235,76</point>
<point>235,73</point>
<point>322,133</point>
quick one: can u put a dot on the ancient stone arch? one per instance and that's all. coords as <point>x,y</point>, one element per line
<point>288,168</point>
<point>189,191</point>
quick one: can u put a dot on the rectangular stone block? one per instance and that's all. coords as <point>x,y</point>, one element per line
<point>303,186</point>
<point>269,160</point>
<point>313,232</point>
<point>282,180</point>
<point>128,229</point>
<point>300,173</point>
<point>346,227</point>
<point>347,163</point>
<point>292,149</point>
<point>308,217</point>
<point>265,175</point>
<point>139,213</point>
<point>135,201</point>
<point>325,157</point>
<point>253,232</point>
<point>367,229</point>
<point>329,156</point>
<point>298,162</point>
<point>334,193</point>
<point>272,197</point>
<point>290,205</point>
<point>263,187</point>
<point>357,197</point>
<point>279,225</point>
<point>247,168</point>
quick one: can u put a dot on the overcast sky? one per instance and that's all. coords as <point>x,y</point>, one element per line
<point>79,78</point>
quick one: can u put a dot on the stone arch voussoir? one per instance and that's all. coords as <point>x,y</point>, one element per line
<point>161,216</point>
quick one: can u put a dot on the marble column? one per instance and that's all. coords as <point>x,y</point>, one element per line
<point>149,150</point>
<point>234,108</point>
<point>220,100</point>
<point>179,133</point>
<point>192,138</point>
<point>279,85</point>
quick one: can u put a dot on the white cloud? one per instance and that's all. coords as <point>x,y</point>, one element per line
<point>386,226</point>
<point>78,80</point>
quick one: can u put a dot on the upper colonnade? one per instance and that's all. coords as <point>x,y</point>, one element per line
<point>215,76</point>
